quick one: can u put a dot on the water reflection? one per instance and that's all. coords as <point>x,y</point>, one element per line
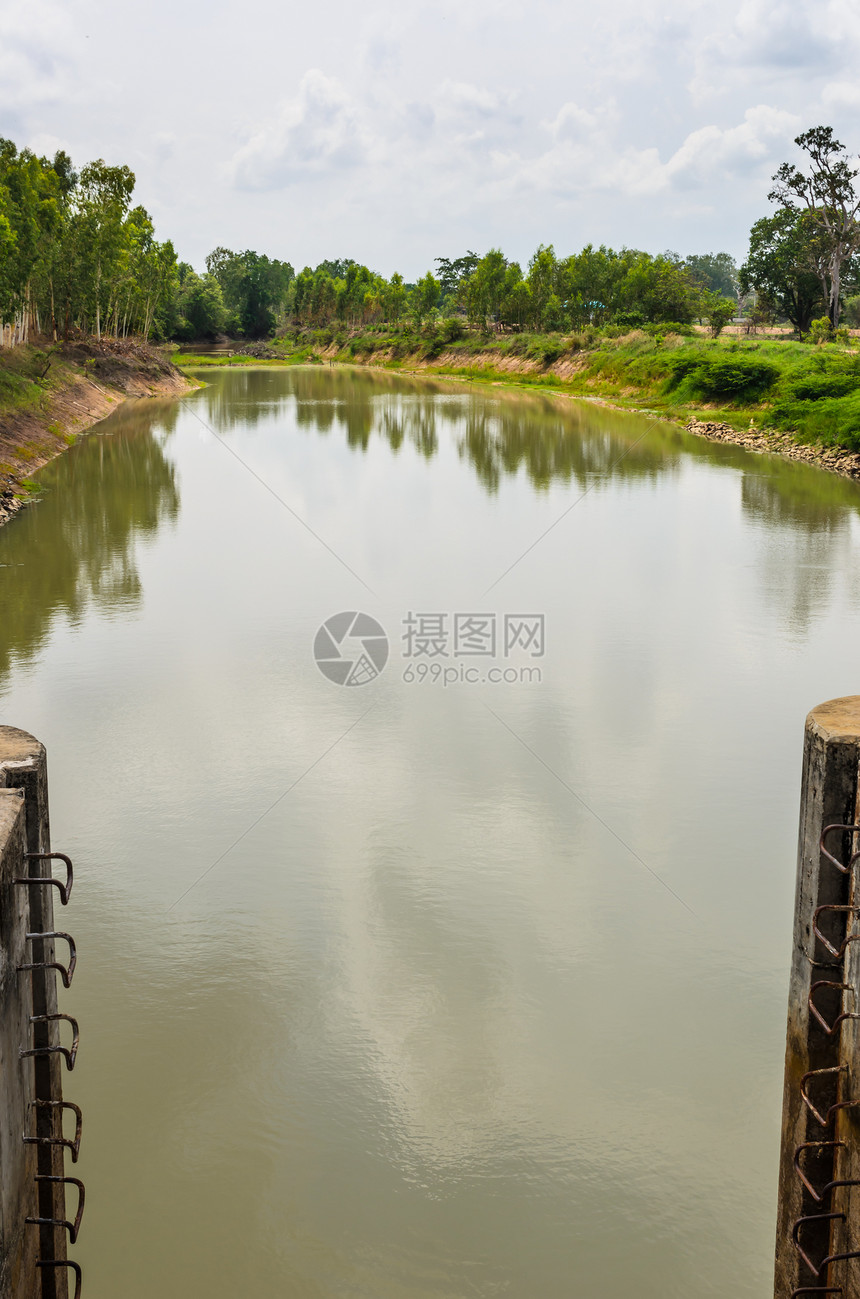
<point>551,439</point>
<point>415,1034</point>
<point>75,549</point>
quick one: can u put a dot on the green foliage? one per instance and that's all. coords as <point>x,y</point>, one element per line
<point>778,268</point>
<point>425,295</point>
<point>707,375</point>
<point>820,330</point>
<point>545,350</point>
<point>714,273</point>
<point>825,199</point>
<point>74,254</point>
<point>831,420</point>
<point>452,329</point>
<point>851,312</point>
<point>718,311</point>
<point>254,290</point>
<point>202,312</point>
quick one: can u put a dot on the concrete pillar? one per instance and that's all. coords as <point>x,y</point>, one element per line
<point>828,1216</point>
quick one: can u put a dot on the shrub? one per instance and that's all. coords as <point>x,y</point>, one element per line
<point>452,329</point>
<point>820,330</point>
<point>829,420</point>
<point>722,375</point>
<point>629,319</point>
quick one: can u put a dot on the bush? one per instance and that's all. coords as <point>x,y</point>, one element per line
<point>452,329</point>
<point>833,420</point>
<point>629,319</point>
<point>820,330</point>
<point>664,327</point>
<point>721,375</point>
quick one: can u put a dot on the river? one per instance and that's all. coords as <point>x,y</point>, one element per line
<point>468,979</point>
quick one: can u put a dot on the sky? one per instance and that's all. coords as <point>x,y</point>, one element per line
<point>395,133</point>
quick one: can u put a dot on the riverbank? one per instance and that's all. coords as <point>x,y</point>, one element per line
<point>777,396</point>
<point>50,395</point>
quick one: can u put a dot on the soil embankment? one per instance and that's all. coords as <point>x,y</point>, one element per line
<point>49,396</point>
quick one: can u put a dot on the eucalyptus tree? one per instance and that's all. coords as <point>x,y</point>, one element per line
<point>103,199</point>
<point>425,296</point>
<point>29,219</point>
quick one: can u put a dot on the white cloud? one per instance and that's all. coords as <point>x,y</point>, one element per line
<point>570,122</point>
<point>429,129</point>
<point>755,144</point>
<point>841,94</point>
<point>317,132</point>
<point>589,157</point>
<point>38,42</point>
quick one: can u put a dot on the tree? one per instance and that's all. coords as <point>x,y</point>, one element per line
<point>104,200</point>
<point>718,311</point>
<point>485,288</point>
<point>828,196</point>
<point>659,287</point>
<point>425,296</point>
<point>255,289</point>
<point>455,275</point>
<point>716,272</point>
<point>542,280</point>
<point>201,304</point>
<point>394,298</point>
<point>778,271</point>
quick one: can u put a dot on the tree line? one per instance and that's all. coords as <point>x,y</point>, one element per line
<point>553,293</point>
<point>77,255</point>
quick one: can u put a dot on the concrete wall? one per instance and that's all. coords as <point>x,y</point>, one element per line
<point>18,1243</point>
<point>24,827</point>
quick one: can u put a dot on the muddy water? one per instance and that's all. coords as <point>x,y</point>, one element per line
<point>468,980</point>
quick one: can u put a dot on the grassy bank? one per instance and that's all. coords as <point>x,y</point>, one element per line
<point>811,391</point>
<point>50,394</point>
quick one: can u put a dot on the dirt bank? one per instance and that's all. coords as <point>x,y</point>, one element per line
<point>49,396</point>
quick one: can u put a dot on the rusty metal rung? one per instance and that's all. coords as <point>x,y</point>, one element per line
<point>64,973</point>
<point>64,889</point>
<point>830,1029</point>
<point>813,1145</point>
<point>795,1236</point>
<point>838,952</point>
<point>73,1227</point>
<point>73,1145</point>
<point>831,829</point>
<point>70,1054</point>
<point>66,1262</point>
<point>839,1105</point>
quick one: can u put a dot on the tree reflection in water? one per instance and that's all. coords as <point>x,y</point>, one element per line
<point>75,549</point>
